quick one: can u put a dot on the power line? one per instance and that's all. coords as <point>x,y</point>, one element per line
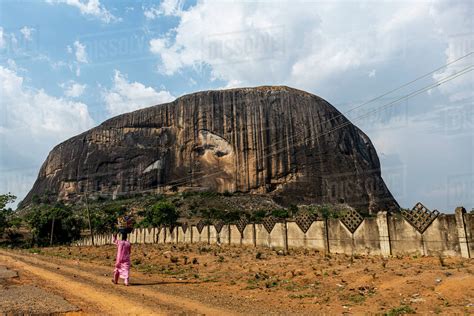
<point>408,96</point>
<point>191,178</point>
<point>185,180</point>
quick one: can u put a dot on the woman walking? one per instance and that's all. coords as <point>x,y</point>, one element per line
<point>122,262</point>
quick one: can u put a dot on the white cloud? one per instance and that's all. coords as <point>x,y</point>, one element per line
<point>91,7</point>
<point>36,111</point>
<point>2,39</point>
<point>125,96</point>
<point>166,8</point>
<point>32,122</point>
<point>303,44</point>
<point>27,32</point>
<point>454,21</point>
<point>171,7</point>
<point>151,13</point>
<point>80,52</point>
<point>73,89</point>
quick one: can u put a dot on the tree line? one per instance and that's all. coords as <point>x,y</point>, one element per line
<point>45,223</point>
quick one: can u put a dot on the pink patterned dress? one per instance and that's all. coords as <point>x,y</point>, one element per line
<point>122,262</point>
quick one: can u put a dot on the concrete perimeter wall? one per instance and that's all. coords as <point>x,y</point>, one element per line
<point>385,235</point>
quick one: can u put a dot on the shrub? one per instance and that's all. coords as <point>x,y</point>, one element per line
<point>280,213</point>
<point>5,213</point>
<point>401,310</point>
<point>161,213</point>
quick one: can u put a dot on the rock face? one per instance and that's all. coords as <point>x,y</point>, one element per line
<point>279,141</point>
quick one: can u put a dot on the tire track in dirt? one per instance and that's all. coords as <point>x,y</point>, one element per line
<point>111,299</point>
<point>107,302</point>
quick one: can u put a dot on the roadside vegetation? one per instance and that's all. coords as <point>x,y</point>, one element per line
<point>47,222</point>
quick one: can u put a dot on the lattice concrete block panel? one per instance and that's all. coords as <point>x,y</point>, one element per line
<point>352,220</point>
<point>200,226</point>
<point>296,237</point>
<point>262,236</point>
<point>269,223</point>
<point>212,234</point>
<point>235,236</point>
<point>316,236</point>
<point>277,236</point>
<point>219,225</point>
<point>247,236</point>
<point>420,217</point>
<point>305,220</point>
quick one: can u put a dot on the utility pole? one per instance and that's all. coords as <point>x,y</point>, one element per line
<point>52,231</point>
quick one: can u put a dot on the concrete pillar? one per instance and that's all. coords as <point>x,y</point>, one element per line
<point>463,241</point>
<point>384,235</point>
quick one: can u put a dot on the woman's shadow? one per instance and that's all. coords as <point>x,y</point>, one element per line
<point>161,283</point>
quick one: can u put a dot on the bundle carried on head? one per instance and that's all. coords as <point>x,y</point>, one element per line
<point>125,224</point>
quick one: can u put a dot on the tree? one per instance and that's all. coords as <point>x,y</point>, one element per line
<point>56,223</point>
<point>104,218</point>
<point>161,213</point>
<point>5,213</point>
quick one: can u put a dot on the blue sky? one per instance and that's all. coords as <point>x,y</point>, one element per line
<point>67,65</point>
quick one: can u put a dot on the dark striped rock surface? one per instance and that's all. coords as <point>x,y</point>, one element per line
<point>277,141</point>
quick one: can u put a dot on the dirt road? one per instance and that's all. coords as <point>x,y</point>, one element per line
<point>226,280</point>
<point>89,286</point>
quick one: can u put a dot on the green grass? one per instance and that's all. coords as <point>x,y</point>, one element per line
<point>401,310</point>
